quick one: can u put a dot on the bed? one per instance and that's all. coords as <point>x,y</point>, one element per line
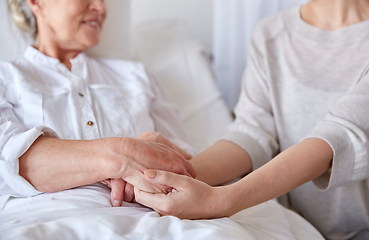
<point>181,65</point>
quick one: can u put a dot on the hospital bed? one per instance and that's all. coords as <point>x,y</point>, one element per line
<point>181,65</point>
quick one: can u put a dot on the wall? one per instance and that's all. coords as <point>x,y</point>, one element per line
<point>198,14</point>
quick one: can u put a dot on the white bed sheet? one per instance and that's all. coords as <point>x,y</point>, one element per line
<point>85,213</point>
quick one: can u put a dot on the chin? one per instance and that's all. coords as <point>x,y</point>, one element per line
<point>89,43</point>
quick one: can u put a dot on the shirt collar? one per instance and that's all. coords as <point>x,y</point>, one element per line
<point>78,63</point>
<point>33,54</point>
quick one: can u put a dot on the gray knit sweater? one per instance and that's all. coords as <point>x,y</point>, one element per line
<point>303,82</point>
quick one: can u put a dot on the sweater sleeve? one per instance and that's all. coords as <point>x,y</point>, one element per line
<point>254,128</point>
<point>346,129</point>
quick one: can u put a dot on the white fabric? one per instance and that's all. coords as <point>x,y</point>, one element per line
<point>234,22</point>
<point>85,213</point>
<point>181,66</point>
<point>14,41</point>
<point>116,96</point>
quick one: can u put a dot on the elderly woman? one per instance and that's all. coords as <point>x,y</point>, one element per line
<point>305,97</point>
<point>68,120</point>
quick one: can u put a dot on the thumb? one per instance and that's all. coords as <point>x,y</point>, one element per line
<point>117,191</point>
<point>166,178</point>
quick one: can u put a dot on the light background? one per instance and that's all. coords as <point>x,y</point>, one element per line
<point>197,13</point>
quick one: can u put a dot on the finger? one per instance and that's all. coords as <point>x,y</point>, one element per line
<point>150,200</point>
<point>180,150</point>
<point>170,144</point>
<point>159,138</point>
<point>188,169</point>
<point>129,193</point>
<point>169,179</point>
<point>191,169</point>
<point>148,136</point>
<point>117,191</point>
<point>139,180</point>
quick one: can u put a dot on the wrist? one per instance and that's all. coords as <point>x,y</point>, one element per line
<point>232,200</point>
<point>225,201</point>
<point>114,159</point>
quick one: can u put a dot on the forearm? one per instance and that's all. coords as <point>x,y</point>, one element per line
<point>52,165</point>
<point>295,166</point>
<point>221,163</point>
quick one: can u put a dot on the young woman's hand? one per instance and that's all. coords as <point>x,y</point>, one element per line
<point>189,198</point>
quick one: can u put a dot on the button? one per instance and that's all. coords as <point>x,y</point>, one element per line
<point>90,123</point>
<point>80,94</point>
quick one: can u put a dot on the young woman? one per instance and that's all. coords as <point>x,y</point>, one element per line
<point>68,120</point>
<point>302,126</point>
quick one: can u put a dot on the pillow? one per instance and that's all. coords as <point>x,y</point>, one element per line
<point>114,41</point>
<point>180,64</point>
<point>13,41</point>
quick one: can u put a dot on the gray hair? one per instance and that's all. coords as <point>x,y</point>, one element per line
<point>23,16</point>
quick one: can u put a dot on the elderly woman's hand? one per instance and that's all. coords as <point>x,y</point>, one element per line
<point>52,165</point>
<point>157,137</point>
<point>122,190</point>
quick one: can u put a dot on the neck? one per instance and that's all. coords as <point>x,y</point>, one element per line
<point>334,14</point>
<point>50,48</point>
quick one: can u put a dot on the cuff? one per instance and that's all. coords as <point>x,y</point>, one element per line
<point>10,180</point>
<point>250,145</point>
<point>342,171</point>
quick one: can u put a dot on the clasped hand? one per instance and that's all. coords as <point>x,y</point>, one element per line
<point>151,150</point>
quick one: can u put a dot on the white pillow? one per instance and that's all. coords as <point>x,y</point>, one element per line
<point>13,41</point>
<point>181,65</point>
<point>114,43</point>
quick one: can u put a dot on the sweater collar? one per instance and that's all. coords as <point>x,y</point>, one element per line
<point>354,32</point>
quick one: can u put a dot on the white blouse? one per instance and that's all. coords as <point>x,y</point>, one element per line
<point>98,98</point>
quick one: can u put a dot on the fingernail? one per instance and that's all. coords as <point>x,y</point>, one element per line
<point>150,173</point>
<point>116,203</point>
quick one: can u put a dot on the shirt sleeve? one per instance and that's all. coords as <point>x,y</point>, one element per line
<point>346,129</point>
<point>167,119</point>
<point>15,139</point>
<point>254,128</point>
